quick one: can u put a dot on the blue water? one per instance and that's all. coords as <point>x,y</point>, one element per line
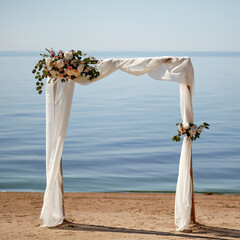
<point>120,128</point>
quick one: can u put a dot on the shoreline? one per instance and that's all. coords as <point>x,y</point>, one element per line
<point>153,192</point>
<point>119,216</point>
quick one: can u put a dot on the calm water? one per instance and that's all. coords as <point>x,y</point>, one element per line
<point>120,128</point>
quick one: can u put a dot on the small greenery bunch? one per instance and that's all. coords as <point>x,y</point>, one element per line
<point>65,66</point>
<point>191,130</point>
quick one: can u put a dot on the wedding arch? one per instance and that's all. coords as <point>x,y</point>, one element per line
<point>58,105</point>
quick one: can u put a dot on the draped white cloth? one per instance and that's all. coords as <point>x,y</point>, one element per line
<point>58,104</point>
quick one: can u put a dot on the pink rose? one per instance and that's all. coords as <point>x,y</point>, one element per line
<point>69,68</point>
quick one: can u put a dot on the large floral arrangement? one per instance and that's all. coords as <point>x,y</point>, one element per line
<point>189,129</point>
<point>65,66</point>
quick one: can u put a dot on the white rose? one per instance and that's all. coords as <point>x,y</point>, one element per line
<point>80,68</point>
<point>48,61</point>
<point>60,63</point>
<point>68,55</point>
<point>186,125</point>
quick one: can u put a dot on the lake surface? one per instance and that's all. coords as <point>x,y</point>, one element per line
<point>120,128</point>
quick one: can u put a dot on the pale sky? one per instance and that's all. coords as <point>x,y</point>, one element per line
<point>120,25</point>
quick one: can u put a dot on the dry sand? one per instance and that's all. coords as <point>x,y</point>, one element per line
<point>119,216</point>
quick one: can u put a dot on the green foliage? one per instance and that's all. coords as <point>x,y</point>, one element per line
<point>176,138</point>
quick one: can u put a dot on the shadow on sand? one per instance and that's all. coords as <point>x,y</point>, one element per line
<point>196,231</point>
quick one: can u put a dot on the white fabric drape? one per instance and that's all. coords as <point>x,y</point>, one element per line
<point>58,101</point>
<point>183,197</point>
<point>58,105</point>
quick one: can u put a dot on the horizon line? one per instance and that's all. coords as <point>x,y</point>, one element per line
<point>197,51</point>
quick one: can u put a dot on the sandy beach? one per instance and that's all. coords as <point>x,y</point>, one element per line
<point>119,216</point>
